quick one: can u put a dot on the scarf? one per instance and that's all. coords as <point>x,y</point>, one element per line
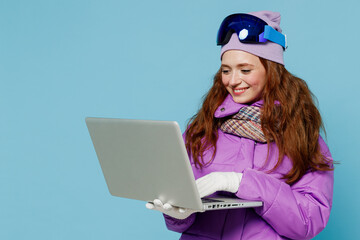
<point>246,123</point>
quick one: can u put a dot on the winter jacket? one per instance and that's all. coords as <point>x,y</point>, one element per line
<point>298,211</point>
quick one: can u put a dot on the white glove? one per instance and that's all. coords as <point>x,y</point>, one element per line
<point>168,209</point>
<point>218,181</point>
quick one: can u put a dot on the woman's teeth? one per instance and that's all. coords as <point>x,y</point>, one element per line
<point>240,90</point>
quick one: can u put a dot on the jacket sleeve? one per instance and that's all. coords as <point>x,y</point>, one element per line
<point>178,225</point>
<point>299,211</point>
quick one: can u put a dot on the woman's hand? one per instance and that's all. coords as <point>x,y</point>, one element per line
<point>168,209</point>
<point>208,184</point>
<point>218,181</point>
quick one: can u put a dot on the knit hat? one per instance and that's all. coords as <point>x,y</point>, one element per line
<point>268,50</point>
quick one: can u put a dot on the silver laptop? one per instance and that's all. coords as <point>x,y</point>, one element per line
<point>145,160</point>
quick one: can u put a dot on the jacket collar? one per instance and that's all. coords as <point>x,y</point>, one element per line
<point>229,107</point>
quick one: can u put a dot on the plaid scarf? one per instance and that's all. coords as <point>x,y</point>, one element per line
<point>246,123</point>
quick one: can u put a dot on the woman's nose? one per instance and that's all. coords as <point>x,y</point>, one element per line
<point>235,79</point>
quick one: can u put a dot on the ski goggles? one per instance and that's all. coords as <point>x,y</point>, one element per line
<point>249,29</point>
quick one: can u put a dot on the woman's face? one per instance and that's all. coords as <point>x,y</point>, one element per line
<point>243,75</point>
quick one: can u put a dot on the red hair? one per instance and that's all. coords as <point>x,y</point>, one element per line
<point>294,124</point>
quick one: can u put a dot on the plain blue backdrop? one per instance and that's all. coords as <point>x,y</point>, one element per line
<point>61,61</point>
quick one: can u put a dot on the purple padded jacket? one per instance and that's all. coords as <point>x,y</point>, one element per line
<point>299,211</point>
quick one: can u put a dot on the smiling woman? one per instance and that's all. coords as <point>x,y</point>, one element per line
<point>263,120</point>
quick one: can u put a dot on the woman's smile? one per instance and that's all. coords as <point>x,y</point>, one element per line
<point>239,91</point>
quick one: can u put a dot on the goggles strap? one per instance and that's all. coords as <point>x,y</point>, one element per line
<point>274,36</point>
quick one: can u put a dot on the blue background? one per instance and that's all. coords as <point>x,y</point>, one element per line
<point>61,61</point>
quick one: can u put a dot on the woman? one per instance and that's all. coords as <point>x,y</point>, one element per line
<point>256,137</point>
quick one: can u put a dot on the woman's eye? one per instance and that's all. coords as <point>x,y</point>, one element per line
<point>245,70</point>
<point>225,71</point>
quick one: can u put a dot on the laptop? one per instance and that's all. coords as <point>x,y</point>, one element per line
<point>147,160</point>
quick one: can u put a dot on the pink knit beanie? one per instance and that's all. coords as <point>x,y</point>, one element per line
<point>268,50</point>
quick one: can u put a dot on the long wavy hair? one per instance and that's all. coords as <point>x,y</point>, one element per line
<point>293,125</point>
